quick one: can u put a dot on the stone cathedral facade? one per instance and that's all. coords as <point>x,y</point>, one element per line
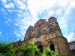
<point>47,33</point>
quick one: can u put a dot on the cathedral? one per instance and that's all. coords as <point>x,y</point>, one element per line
<point>47,33</point>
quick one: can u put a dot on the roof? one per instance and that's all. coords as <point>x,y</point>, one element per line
<point>29,28</point>
<point>52,18</point>
<point>40,20</point>
<point>72,45</point>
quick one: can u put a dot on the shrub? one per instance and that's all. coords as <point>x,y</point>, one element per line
<point>29,50</point>
<point>48,52</point>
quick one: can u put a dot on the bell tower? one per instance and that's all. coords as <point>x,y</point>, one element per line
<point>54,27</point>
<point>56,37</point>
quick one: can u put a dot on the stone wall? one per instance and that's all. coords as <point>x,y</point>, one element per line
<point>47,34</point>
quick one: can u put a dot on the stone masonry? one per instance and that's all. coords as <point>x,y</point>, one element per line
<point>47,33</point>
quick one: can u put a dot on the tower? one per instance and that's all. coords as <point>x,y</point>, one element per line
<point>48,34</point>
<point>58,41</point>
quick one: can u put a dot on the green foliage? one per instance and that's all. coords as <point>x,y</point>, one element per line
<point>29,50</point>
<point>48,52</point>
<point>5,50</point>
<point>64,55</point>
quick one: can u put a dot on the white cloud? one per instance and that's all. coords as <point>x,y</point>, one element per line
<point>20,4</point>
<point>4,1</point>
<point>23,25</point>
<point>62,3</point>
<point>8,21</point>
<point>51,12</point>
<point>69,36</point>
<point>0,33</point>
<point>72,3</point>
<point>10,5</point>
<point>39,5</point>
<point>59,11</point>
<point>19,35</point>
<point>63,21</point>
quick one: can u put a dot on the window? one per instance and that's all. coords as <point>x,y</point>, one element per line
<point>39,45</point>
<point>39,33</point>
<point>50,30</point>
<point>29,37</point>
<point>40,48</point>
<point>52,47</point>
<point>44,31</point>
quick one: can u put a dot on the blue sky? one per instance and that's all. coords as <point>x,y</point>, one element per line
<point>17,15</point>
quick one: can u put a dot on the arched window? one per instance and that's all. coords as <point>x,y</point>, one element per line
<point>40,48</point>
<point>52,47</point>
<point>50,30</point>
<point>39,33</point>
<point>29,37</point>
<point>44,31</point>
<point>39,45</point>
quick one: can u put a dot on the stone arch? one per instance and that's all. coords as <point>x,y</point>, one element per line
<point>51,45</point>
<point>39,45</point>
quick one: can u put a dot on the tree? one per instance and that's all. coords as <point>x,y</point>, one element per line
<point>48,52</point>
<point>6,50</point>
<point>29,50</point>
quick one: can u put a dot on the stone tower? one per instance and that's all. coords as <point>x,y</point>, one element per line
<point>48,34</point>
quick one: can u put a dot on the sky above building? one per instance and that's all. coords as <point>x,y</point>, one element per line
<point>17,15</point>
